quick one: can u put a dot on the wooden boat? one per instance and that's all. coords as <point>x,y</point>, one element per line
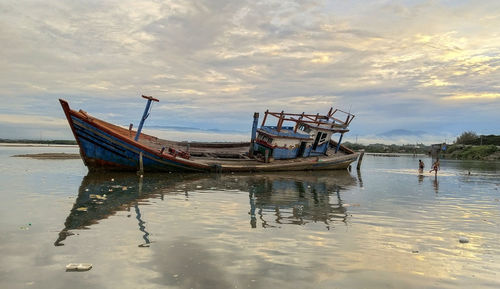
<point>305,146</point>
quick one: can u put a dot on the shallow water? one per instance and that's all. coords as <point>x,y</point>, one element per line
<point>385,227</point>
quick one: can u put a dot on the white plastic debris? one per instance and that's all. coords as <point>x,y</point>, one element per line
<point>78,267</point>
<point>463,240</point>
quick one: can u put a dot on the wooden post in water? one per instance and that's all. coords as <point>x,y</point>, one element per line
<point>141,165</point>
<point>266,156</point>
<point>360,159</point>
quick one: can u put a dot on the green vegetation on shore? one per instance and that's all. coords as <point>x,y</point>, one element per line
<point>31,141</point>
<point>472,152</point>
<point>471,138</point>
<point>470,146</point>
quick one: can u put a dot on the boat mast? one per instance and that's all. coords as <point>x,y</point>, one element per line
<point>145,114</point>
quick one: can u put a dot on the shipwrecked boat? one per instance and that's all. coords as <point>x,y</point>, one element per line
<point>306,145</point>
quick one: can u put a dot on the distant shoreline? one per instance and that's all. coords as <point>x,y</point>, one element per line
<point>4,141</point>
<point>2,144</point>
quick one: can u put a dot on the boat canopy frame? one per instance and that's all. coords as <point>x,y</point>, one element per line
<point>313,120</point>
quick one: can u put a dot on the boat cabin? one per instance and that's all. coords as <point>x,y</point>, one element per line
<point>309,136</point>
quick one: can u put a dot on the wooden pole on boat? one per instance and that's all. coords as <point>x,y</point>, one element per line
<point>338,144</point>
<point>265,117</point>
<point>280,121</point>
<point>360,159</point>
<point>254,132</point>
<point>145,114</point>
<point>298,122</point>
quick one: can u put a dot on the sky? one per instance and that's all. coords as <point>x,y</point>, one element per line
<point>410,71</point>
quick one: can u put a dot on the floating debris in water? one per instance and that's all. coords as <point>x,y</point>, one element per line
<point>78,267</point>
<point>99,197</point>
<point>351,205</point>
<point>463,240</point>
<point>25,228</point>
<point>198,187</point>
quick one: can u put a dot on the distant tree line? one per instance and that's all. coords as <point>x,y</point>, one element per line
<point>393,148</point>
<point>31,141</point>
<point>471,138</point>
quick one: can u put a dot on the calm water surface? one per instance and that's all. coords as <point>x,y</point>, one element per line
<point>385,227</point>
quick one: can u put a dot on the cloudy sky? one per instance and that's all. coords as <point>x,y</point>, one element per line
<point>409,70</point>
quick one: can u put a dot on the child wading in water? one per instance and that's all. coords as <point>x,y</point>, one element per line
<point>421,166</point>
<point>435,167</point>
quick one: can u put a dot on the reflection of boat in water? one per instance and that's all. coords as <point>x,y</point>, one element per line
<point>101,195</point>
<point>299,198</point>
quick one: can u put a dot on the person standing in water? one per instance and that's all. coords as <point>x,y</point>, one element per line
<point>435,167</point>
<point>421,166</point>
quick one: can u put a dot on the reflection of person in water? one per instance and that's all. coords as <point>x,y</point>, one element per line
<point>436,185</point>
<point>421,166</point>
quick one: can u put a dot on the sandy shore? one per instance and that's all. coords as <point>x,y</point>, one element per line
<point>50,156</point>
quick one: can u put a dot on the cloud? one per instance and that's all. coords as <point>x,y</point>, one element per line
<point>473,96</point>
<point>212,62</point>
<point>32,120</point>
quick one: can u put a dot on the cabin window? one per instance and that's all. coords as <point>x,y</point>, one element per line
<point>304,128</point>
<point>323,138</point>
<point>320,139</point>
<point>267,139</point>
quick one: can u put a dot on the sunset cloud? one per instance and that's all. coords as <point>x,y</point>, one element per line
<point>414,65</point>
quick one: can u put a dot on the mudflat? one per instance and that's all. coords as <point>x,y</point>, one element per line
<point>50,156</point>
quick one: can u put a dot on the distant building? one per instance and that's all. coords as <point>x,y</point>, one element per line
<point>436,149</point>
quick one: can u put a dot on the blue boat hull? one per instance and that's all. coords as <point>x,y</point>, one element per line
<point>103,150</point>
